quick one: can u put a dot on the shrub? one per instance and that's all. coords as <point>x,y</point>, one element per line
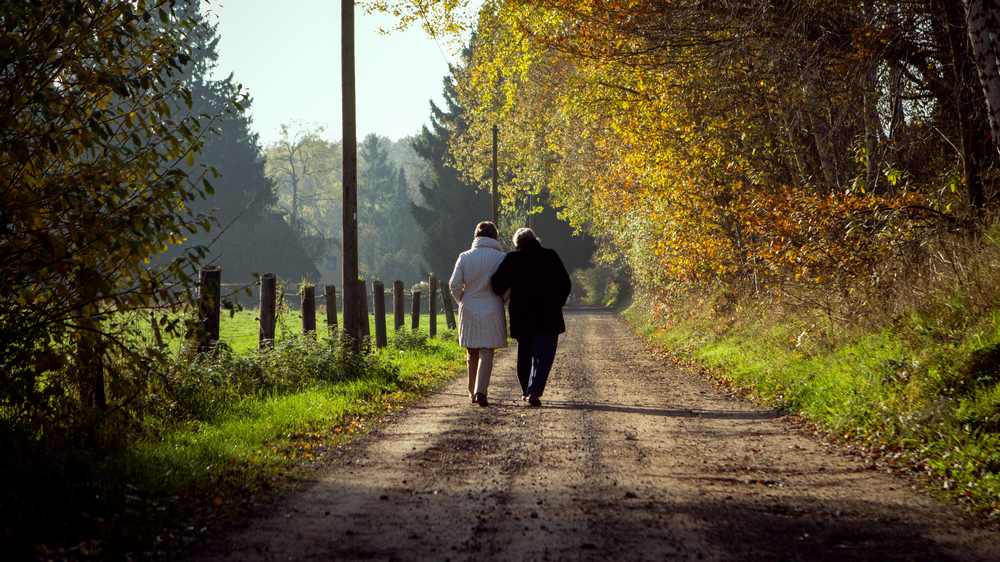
<point>204,385</point>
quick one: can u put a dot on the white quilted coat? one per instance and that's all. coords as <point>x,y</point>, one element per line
<point>481,321</point>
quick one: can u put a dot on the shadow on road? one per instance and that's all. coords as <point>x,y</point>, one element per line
<point>666,412</point>
<point>640,409</point>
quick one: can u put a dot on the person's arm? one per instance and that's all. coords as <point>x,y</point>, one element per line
<point>501,279</point>
<point>457,282</point>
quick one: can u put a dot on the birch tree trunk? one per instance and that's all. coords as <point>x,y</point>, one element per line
<point>983,23</point>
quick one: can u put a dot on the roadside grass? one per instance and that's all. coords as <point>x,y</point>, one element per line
<point>921,394</point>
<point>260,435</point>
<point>215,431</point>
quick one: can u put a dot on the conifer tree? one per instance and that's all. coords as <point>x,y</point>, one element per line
<point>451,208</point>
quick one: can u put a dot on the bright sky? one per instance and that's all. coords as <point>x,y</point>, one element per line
<point>287,54</point>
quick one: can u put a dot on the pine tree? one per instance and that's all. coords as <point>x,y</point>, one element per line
<point>450,208</point>
<point>391,240</point>
<point>249,237</point>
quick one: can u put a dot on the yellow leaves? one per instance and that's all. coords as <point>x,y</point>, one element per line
<point>688,186</point>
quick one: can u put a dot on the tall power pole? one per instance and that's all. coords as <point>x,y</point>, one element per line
<point>531,205</point>
<point>496,201</point>
<point>352,324</point>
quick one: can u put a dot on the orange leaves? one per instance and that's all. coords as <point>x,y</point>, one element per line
<point>695,164</point>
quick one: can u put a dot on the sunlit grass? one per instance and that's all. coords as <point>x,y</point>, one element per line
<point>258,435</point>
<point>914,393</point>
<point>240,330</point>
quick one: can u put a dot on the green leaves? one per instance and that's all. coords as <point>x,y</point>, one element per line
<point>93,189</point>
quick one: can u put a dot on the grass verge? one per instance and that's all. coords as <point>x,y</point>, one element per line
<point>238,425</point>
<point>921,395</point>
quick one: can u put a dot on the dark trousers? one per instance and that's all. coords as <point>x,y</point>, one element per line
<point>535,354</point>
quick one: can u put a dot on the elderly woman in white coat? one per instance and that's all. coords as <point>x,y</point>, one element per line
<point>481,323</point>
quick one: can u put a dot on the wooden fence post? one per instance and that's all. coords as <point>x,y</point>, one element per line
<point>366,330</point>
<point>398,313</point>
<point>415,311</point>
<point>209,304</point>
<point>331,309</point>
<point>449,307</point>
<point>432,306</point>
<point>378,299</point>
<point>268,303</point>
<point>309,309</point>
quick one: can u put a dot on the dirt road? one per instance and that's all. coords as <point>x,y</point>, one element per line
<point>628,459</point>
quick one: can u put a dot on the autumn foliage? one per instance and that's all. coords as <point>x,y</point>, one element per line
<point>755,144</point>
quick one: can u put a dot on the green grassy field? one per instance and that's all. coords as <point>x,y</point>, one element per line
<point>240,330</point>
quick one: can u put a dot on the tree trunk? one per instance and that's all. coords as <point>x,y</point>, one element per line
<point>971,145</point>
<point>823,152</point>
<point>982,19</point>
<point>873,129</point>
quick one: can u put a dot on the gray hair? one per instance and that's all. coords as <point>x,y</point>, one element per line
<point>523,235</point>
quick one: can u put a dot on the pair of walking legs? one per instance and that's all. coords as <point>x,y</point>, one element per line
<point>535,354</point>
<point>479,362</point>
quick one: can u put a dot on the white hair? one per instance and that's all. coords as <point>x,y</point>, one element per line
<point>523,235</point>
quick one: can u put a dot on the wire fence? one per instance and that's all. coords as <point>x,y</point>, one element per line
<point>247,296</point>
<point>268,295</point>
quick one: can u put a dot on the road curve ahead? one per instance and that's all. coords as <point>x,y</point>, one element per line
<point>630,458</point>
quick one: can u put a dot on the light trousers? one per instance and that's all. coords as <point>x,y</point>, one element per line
<point>479,362</point>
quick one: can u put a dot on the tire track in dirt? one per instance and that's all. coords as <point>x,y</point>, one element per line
<point>630,458</point>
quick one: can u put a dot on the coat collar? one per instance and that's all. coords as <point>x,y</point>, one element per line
<point>530,245</point>
<point>485,242</point>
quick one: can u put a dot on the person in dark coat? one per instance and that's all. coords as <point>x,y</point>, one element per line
<point>539,286</point>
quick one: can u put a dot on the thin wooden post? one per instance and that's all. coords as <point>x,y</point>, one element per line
<point>366,330</point>
<point>378,298</point>
<point>415,311</point>
<point>432,306</point>
<point>449,307</point>
<point>308,309</point>
<point>496,196</point>
<point>209,306</point>
<point>331,309</point>
<point>398,300</point>
<point>268,304</point>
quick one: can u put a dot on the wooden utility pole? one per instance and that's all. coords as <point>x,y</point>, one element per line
<point>531,205</point>
<point>496,201</point>
<point>350,231</point>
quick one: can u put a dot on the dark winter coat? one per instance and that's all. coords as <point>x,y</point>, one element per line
<point>539,286</point>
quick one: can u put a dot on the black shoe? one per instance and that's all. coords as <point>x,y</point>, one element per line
<point>534,401</point>
<point>481,400</point>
